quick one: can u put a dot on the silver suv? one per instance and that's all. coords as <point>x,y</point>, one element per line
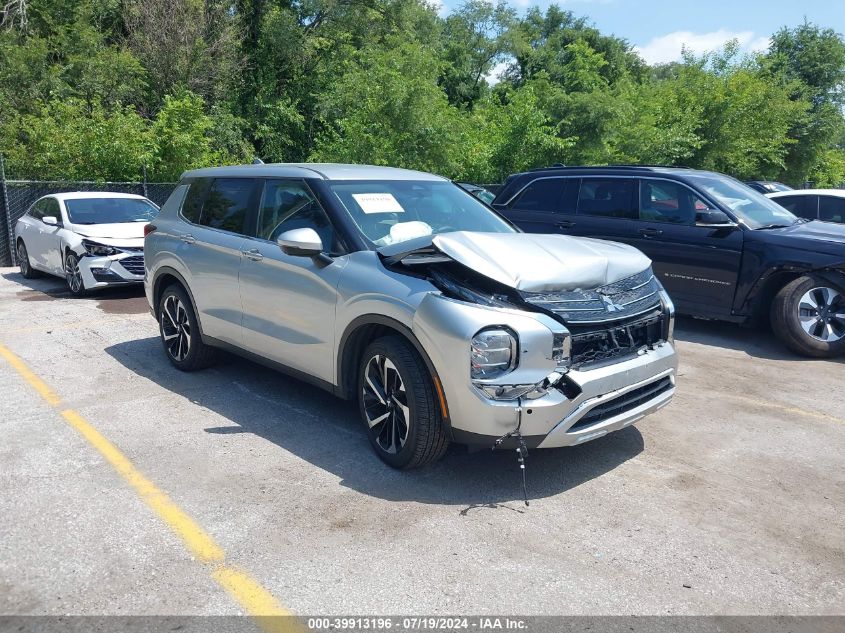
<point>403,292</point>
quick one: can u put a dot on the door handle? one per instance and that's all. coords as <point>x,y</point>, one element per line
<point>565,224</point>
<point>188,238</point>
<point>253,254</point>
<point>651,232</point>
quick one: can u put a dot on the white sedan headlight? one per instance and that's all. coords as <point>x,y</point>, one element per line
<point>98,250</point>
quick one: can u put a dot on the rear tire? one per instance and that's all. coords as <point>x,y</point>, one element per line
<point>808,315</point>
<point>180,332</point>
<point>27,271</point>
<point>399,406</point>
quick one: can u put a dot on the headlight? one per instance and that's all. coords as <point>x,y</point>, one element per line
<point>97,249</point>
<point>562,350</point>
<point>493,353</point>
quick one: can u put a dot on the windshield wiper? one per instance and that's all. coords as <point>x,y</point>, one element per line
<point>773,226</point>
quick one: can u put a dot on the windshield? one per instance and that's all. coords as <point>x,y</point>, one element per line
<point>393,211</point>
<point>751,208</point>
<point>109,210</point>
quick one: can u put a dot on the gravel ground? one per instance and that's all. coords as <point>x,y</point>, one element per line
<point>729,501</point>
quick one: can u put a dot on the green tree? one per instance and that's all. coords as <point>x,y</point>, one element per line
<point>387,109</point>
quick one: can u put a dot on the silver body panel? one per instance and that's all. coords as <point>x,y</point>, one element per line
<point>296,310</point>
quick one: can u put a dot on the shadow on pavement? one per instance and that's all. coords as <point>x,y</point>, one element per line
<point>327,432</point>
<point>128,299</point>
<point>757,341</point>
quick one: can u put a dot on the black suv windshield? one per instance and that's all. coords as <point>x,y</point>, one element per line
<point>393,211</point>
<point>109,210</point>
<point>753,209</point>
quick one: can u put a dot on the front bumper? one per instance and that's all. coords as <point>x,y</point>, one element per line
<point>583,405</point>
<point>120,269</point>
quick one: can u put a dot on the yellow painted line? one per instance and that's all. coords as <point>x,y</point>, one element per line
<point>195,538</point>
<point>269,614</point>
<point>27,374</point>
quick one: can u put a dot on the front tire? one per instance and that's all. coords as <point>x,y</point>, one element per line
<point>180,332</point>
<point>27,271</point>
<point>73,275</point>
<point>398,405</point>
<point>808,315</point>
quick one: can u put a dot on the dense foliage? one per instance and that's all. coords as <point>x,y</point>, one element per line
<point>108,89</point>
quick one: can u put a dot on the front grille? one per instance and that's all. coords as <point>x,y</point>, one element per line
<point>623,403</point>
<point>622,299</point>
<point>595,344</point>
<point>134,264</point>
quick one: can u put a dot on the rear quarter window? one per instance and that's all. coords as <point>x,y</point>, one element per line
<point>197,193</point>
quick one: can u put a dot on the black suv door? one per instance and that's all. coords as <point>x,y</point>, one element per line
<point>541,206</point>
<point>697,264</point>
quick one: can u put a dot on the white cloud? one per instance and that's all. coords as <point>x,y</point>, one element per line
<point>667,48</point>
<point>495,75</point>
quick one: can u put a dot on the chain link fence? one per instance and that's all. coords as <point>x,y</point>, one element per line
<point>16,196</point>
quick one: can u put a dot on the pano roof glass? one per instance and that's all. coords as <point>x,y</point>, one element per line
<point>752,208</point>
<point>393,211</point>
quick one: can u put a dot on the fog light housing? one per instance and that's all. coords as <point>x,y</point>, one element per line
<point>492,353</point>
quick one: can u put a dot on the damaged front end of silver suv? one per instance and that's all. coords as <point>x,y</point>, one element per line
<point>552,319</point>
<point>561,339</point>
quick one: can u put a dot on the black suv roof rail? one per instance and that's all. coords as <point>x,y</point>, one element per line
<point>621,166</point>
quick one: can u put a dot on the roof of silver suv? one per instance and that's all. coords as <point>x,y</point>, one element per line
<point>326,171</point>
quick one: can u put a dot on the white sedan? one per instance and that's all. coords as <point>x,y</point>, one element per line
<point>92,239</point>
<point>814,204</point>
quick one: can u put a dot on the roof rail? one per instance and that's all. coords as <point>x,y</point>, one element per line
<point>620,166</point>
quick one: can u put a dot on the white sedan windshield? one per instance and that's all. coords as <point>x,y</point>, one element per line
<point>393,211</point>
<point>109,210</point>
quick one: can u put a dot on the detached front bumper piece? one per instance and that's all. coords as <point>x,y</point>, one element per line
<point>123,268</point>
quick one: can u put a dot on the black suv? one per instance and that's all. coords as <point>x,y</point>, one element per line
<point>722,250</point>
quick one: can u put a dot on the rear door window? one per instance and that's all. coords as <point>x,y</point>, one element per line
<point>544,194</point>
<point>831,209</point>
<point>228,203</point>
<point>802,206</point>
<point>608,197</point>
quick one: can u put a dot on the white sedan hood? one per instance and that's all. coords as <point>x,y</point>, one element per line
<point>542,263</point>
<point>118,234</point>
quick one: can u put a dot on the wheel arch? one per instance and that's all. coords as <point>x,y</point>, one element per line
<point>165,277</point>
<point>761,299</point>
<point>359,333</point>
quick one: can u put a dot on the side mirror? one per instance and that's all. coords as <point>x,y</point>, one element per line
<point>300,243</point>
<point>714,219</point>
<point>50,220</point>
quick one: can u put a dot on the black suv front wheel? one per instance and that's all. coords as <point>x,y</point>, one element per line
<point>808,315</point>
<point>399,406</point>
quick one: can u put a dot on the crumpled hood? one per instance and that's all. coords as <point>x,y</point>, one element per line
<point>120,230</point>
<point>542,263</point>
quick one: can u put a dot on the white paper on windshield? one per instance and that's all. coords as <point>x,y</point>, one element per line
<point>378,203</point>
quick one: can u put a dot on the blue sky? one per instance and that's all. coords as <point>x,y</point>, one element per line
<point>658,28</point>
